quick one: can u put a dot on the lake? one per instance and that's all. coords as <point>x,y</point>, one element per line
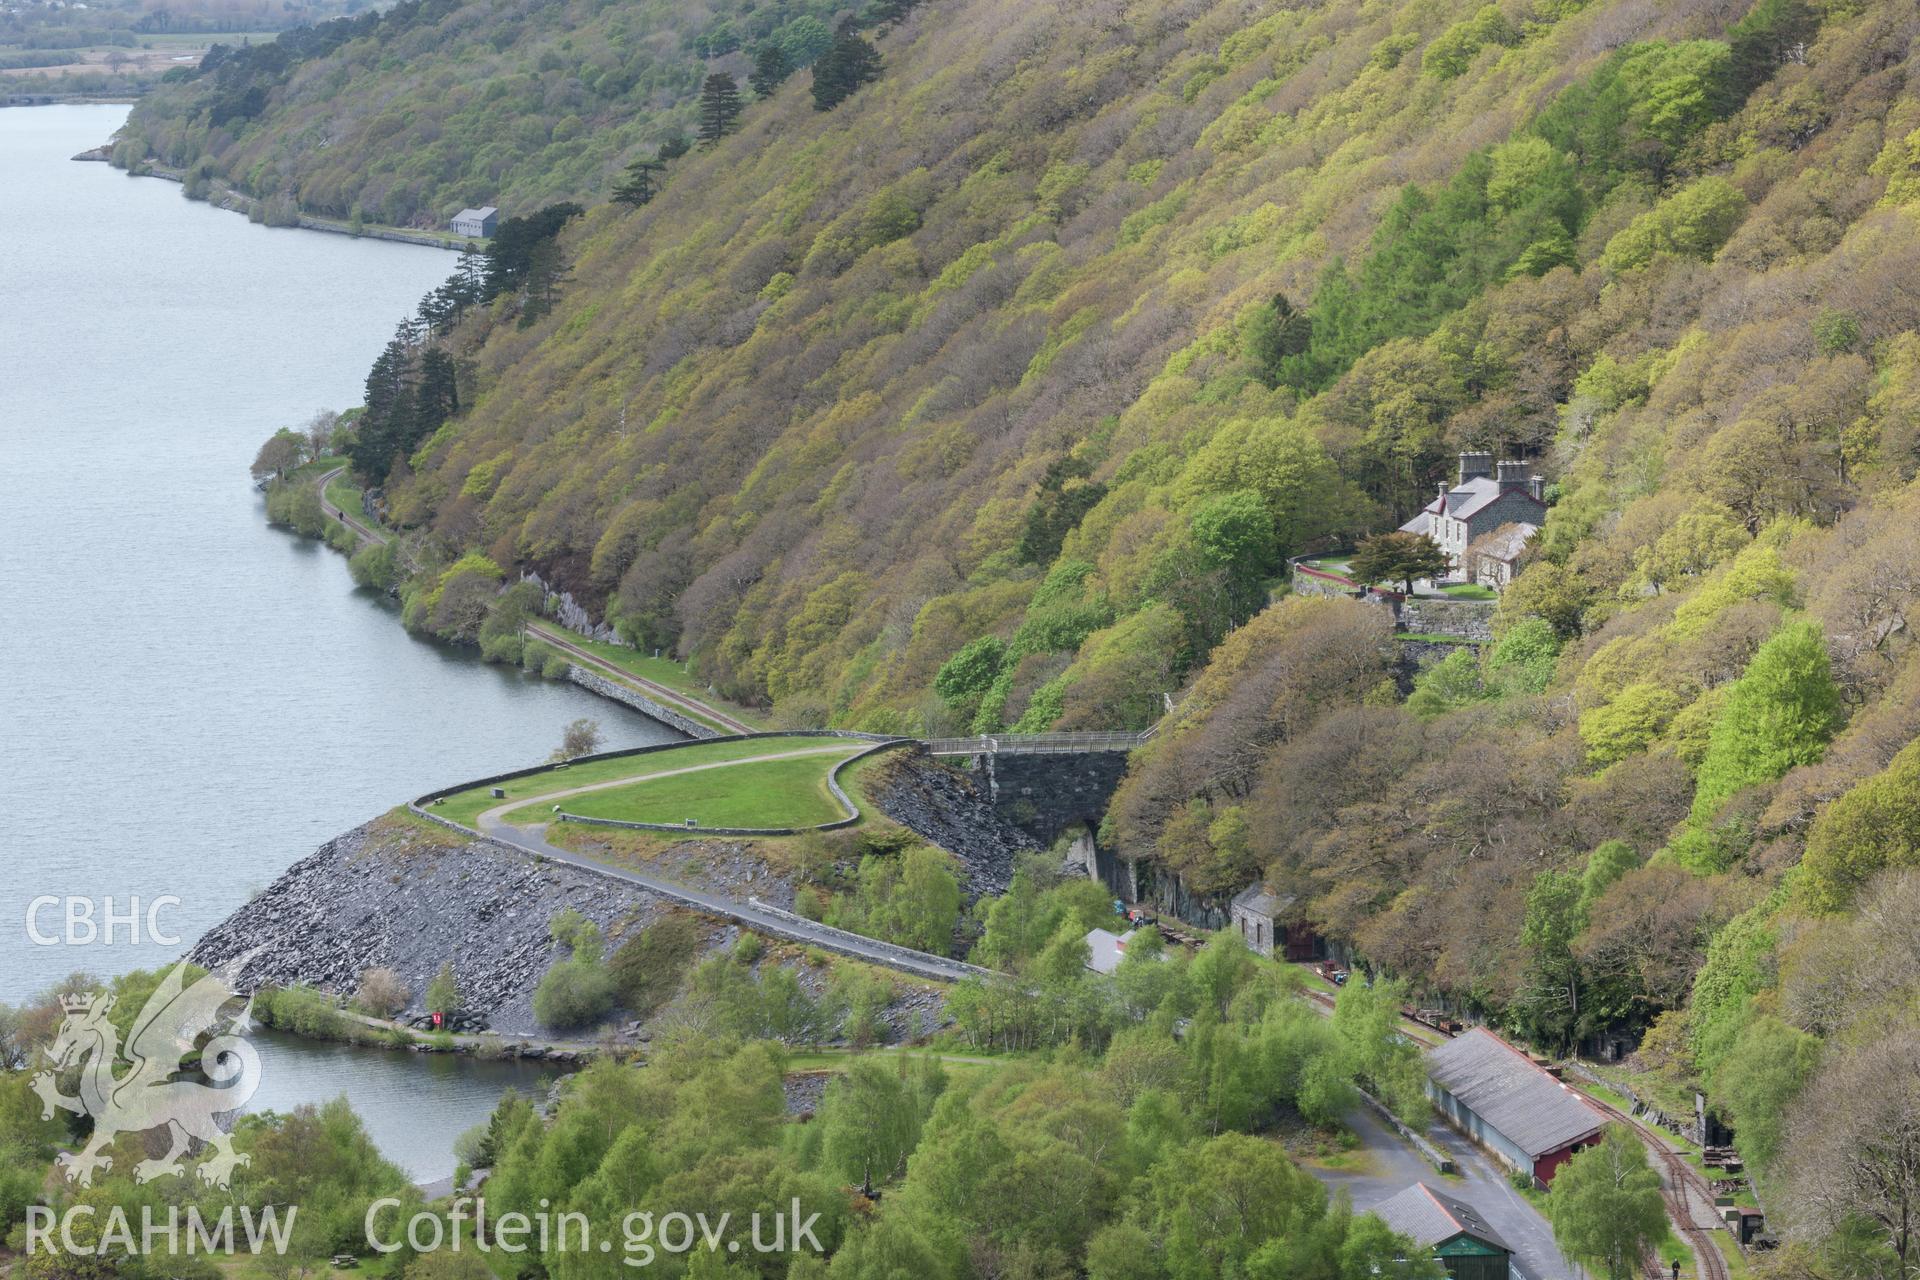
<point>192,701</point>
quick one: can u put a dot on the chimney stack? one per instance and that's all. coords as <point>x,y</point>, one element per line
<point>1537,486</point>
<point>1474,465</point>
<point>1511,475</point>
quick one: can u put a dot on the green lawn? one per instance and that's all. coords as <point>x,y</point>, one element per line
<point>1469,591</point>
<point>662,671</point>
<point>775,793</point>
<point>466,806</point>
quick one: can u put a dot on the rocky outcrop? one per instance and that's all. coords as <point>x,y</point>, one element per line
<point>571,614</point>
<point>944,807</point>
<point>392,895</point>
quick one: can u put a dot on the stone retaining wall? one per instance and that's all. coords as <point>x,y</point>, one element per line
<point>1318,582</point>
<point>1468,619</point>
<point>593,682</point>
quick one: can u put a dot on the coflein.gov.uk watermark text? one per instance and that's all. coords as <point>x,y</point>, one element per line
<point>642,1236</point>
<point>640,1239</point>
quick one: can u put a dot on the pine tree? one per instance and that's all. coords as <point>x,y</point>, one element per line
<point>848,63</point>
<point>387,425</point>
<point>719,108</point>
<point>771,67</point>
<point>639,186</point>
<point>437,398</point>
<point>891,10</point>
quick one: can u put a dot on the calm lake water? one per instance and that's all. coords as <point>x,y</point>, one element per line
<point>189,700</point>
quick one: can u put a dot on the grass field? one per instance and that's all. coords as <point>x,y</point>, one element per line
<point>773,793</point>
<point>662,671</point>
<point>466,806</point>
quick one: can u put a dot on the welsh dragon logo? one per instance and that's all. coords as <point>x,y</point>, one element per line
<point>148,1096</point>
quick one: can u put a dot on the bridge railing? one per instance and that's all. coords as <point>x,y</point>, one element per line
<point>1036,743</point>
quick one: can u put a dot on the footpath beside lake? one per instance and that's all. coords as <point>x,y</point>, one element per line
<point>199,700</point>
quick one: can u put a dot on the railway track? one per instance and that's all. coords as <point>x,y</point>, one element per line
<point>1681,1183</point>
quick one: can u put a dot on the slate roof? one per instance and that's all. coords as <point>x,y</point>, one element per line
<point>1503,1087</point>
<point>476,214</point>
<point>1463,501</point>
<point>1262,901</point>
<point>1430,1218</point>
<point>1508,541</point>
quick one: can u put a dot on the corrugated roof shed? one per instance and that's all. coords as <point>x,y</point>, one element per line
<point>1428,1217</point>
<point>1503,1087</point>
<point>1105,950</point>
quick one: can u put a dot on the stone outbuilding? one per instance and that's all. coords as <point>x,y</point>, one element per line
<point>1261,918</point>
<point>1519,1111</point>
<point>1453,1231</point>
<point>1496,559</point>
<point>1485,497</point>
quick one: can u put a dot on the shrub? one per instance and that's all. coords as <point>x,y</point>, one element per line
<point>574,993</point>
<point>382,993</point>
<point>443,993</point>
<point>376,567</point>
<point>648,967</point>
<point>301,1010</point>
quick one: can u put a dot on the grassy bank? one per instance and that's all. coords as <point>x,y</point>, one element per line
<point>466,806</point>
<point>771,793</point>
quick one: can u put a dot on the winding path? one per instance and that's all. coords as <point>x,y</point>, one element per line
<point>754,914</point>
<point>496,816</point>
<point>658,692</point>
<point>682,702</point>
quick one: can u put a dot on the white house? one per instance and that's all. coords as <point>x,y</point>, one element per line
<point>476,222</point>
<point>1485,498</point>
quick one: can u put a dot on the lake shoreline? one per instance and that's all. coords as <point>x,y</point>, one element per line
<point>226,198</point>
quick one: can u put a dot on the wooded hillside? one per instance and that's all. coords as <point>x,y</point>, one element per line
<point>406,115</point>
<point>996,397</point>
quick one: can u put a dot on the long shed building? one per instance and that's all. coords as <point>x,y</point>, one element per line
<point>1501,1099</point>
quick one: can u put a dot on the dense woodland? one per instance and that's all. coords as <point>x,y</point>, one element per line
<point>1130,1152</point>
<point>996,397</point>
<point>407,114</point>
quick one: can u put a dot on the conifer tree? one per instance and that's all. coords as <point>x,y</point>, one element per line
<point>639,186</point>
<point>719,108</point>
<point>771,67</point>
<point>848,63</point>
